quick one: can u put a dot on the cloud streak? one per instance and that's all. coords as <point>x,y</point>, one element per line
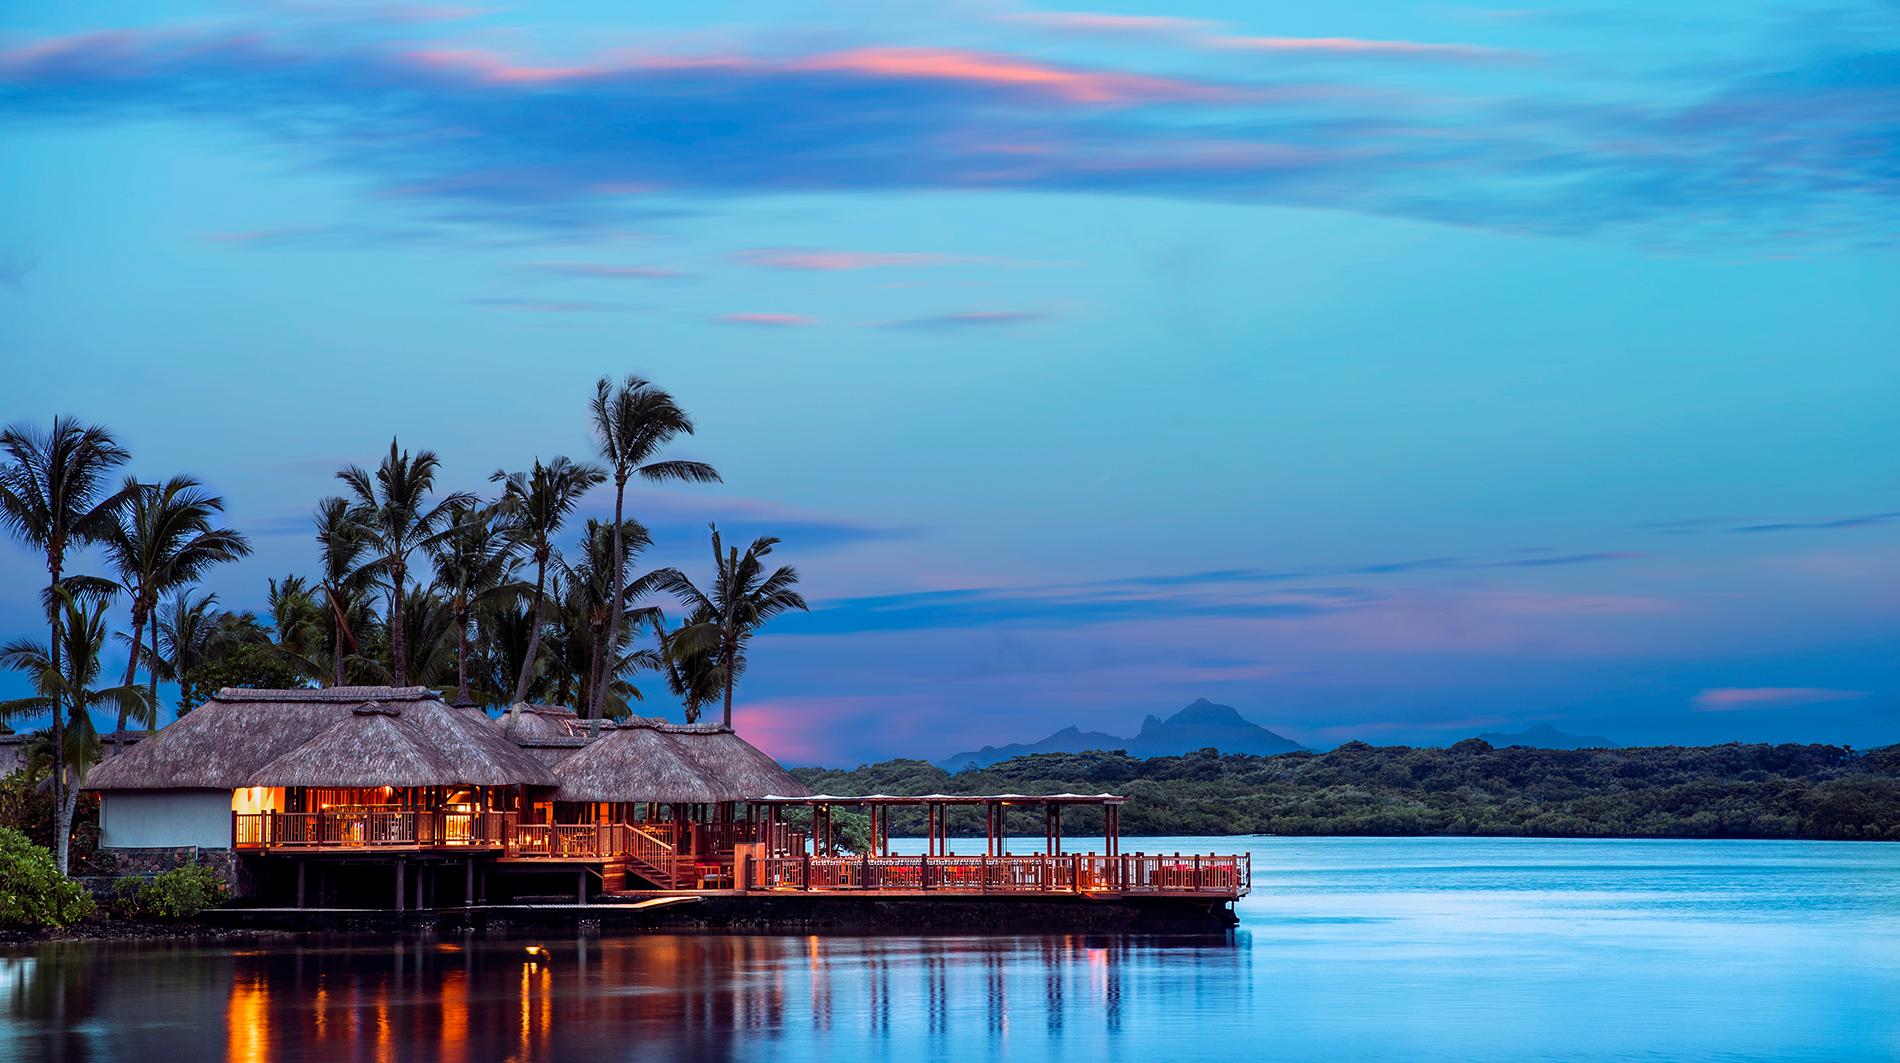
<point>1732,699</point>
<point>1786,151</point>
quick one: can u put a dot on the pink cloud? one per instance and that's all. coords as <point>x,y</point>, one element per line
<point>1199,33</point>
<point>1002,71</point>
<point>778,320</point>
<point>1731,699</point>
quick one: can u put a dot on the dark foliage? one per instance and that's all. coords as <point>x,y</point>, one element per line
<point>1729,791</point>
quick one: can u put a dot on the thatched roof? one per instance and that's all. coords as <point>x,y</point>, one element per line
<point>423,743</point>
<point>544,722</point>
<point>223,744</point>
<point>636,764</point>
<point>219,744</point>
<point>741,767</point>
<point>652,760</point>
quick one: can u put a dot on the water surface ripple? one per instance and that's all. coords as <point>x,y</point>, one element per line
<point>1349,949</point>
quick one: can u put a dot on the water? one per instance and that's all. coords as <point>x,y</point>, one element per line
<point>1349,949</point>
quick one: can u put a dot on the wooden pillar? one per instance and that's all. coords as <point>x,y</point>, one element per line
<point>401,868</point>
<point>468,883</point>
<point>580,886</point>
<point>301,868</point>
<point>1058,850</point>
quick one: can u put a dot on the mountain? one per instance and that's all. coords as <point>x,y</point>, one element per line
<point>1067,740</point>
<point>1198,726</point>
<point>1204,724</point>
<point>1544,736</point>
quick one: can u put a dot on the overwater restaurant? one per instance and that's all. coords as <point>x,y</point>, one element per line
<point>390,798</point>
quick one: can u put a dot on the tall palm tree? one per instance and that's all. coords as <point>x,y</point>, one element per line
<point>392,509</point>
<point>537,504</point>
<point>340,548</point>
<point>743,598</point>
<point>633,423</point>
<point>62,681</point>
<point>50,488</point>
<point>475,565</point>
<point>162,540</point>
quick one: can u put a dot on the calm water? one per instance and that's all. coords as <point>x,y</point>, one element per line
<point>1349,949</point>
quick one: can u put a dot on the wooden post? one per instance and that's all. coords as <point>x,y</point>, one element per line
<point>864,870</point>
<point>401,868</point>
<point>580,886</point>
<point>301,869</point>
<point>1075,873</point>
<point>468,884</point>
<point>807,877</point>
<point>923,872</point>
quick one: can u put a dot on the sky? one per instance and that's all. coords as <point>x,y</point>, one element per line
<point>1388,371</point>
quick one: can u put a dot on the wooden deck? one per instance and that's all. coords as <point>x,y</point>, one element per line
<point>620,853</point>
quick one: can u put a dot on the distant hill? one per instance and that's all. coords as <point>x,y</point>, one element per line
<point>1199,726</point>
<point>1067,740</point>
<point>1544,736</point>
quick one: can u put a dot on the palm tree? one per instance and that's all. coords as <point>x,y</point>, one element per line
<point>692,675</point>
<point>49,500</point>
<point>392,509</point>
<point>63,679</point>
<point>537,503</point>
<point>187,634</point>
<point>582,617</point>
<point>743,598</point>
<point>162,540</point>
<point>475,564</point>
<point>633,423</point>
<point>345,577</point>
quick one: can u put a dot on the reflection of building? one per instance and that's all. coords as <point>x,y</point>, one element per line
<point>335,795</point>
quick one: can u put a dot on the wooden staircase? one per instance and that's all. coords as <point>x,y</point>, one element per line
<point>653,859</point>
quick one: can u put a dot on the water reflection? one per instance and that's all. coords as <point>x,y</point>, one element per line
<point>573,999</point>
<point>1471,950</point>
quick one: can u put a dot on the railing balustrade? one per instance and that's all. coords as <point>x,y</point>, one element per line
<point>1062,873</point>
<point>369,829</point>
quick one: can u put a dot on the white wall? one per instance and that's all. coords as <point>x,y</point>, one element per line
<point>151,819</point>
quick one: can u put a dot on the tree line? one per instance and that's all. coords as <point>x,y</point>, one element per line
<point>1728,791</point>
<point>413,585</point>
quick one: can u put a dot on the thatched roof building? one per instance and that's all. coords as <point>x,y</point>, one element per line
<point>220,744</point>
<point>420,743</point>
<point>652,760</point>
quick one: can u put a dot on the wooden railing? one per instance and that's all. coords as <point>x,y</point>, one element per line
<point>368,830</point>
<point>558,841</point>
<point>1065,873</point>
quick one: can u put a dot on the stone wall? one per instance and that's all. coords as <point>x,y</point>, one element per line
<point>115,864</point>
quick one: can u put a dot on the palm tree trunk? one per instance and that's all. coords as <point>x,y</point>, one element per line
<point>534,632</point>
<point>151,670</point>
<point>55,559</point>
<point>596,703</point>
<point>461,656</point>
<point>131,668</point>
<point>619,591</point>
<point>731,648</point>
<point>398,663</point>
<point>336,614</point>
<point>63,826</point>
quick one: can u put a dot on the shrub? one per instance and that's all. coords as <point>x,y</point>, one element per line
<point>180,893</point>
<point>32,891</point>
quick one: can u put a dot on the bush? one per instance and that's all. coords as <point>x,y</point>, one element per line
<point>33,893</point>
<point>180,893</point>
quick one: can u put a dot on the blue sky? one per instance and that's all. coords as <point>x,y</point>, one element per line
<point>1388,371</point>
